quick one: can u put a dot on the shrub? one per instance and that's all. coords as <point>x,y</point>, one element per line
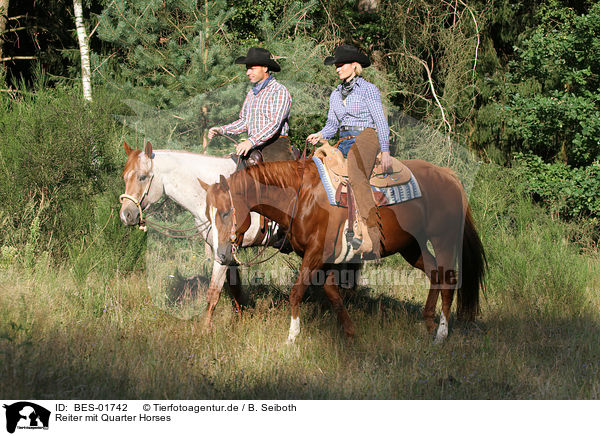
<point>569,192</point>
<point>59,174</point>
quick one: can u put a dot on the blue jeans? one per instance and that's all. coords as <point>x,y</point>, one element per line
<point>345,145</point>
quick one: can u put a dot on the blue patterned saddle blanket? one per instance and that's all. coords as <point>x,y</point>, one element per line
<point>384,196</point>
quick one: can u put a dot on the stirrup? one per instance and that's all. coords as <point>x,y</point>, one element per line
<point>353,241</point>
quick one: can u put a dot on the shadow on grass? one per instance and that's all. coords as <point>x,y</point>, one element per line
<point>512,357</point>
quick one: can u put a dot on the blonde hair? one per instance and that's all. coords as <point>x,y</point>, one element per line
<point>358,69</point>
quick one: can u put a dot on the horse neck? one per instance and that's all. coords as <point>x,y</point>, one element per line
<point>179,172</point>
<point>269,189</point>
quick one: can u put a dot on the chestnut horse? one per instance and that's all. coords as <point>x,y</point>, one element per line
<point>291,194</point>
<point>149,175</point>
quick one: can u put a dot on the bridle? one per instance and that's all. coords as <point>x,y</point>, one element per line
<point>138,203</point>
<point>233,238</point>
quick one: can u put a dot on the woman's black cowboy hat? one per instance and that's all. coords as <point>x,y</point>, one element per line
<point>259,57</point>
<point>345,54</point>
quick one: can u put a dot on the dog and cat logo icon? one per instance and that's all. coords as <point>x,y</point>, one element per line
<point>26,415</point>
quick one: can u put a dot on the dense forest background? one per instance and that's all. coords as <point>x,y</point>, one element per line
<point>516,83</point>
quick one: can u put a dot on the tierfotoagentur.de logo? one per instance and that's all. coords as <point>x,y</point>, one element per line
<point>26,415</point>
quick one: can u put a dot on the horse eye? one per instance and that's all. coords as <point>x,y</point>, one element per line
<point>142,177</point>
<point>226,214</point>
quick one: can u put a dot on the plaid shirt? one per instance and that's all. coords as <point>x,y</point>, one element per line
<point>363,108</point>
<point>263,115</point>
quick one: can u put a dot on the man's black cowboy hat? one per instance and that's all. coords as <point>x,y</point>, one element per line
<point>259,57</point>
<point>345,54</point>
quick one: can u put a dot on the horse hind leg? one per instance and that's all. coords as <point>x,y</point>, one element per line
<point>419,256</point>
<point>444,278</point>
<point>442,331</point>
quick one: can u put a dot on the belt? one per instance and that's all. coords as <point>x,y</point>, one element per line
<point>347,129</point>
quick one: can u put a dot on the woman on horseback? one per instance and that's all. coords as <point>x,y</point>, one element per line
<point>355,110</point>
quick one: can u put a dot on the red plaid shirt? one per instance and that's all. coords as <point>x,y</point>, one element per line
<point>263,115</point>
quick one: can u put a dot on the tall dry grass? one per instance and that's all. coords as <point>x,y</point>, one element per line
<point>106,338</point>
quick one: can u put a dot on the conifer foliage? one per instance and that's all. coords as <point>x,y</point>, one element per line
<point>171,49</point>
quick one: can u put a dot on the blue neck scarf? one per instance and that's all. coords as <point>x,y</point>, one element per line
<point>256,88</point>
<point>347,87</point>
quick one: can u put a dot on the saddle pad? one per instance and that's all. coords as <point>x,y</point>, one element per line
<point>384,196</point>
<point>336,164</point>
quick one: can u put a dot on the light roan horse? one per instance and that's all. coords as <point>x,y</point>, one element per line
<point>282,190</point>
<point>150,174</point>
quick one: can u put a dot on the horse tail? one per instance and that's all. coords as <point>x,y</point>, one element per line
<point>474,264</point>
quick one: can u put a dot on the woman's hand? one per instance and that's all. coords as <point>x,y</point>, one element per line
<point>386,162</point>
<point>314,138</point>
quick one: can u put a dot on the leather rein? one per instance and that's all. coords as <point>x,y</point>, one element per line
<point>234,239</point>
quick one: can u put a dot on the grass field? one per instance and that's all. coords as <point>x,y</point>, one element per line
<point>67,335</point>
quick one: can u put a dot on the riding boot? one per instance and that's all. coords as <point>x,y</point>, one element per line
<point>367,238</point>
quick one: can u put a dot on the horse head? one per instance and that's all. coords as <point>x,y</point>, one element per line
<point>229,217</point>
<point>141,187</point>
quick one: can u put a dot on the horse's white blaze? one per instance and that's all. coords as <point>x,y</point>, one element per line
<point>215,231</point>
<point>442,332</point>
<point>294,330</point>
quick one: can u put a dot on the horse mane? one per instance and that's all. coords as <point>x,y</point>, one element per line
<point>285,174</point>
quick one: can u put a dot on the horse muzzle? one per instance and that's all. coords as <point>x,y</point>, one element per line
<point>130,215</point>
<point>224,254</point>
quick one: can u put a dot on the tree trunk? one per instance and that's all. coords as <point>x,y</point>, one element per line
<point>84,48</point>
<point>3,16</point>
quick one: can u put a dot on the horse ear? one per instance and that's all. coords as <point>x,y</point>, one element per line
<point>205,186</point>
<point>148,150</point>
<point>127,148</point>
<point>223,183</point>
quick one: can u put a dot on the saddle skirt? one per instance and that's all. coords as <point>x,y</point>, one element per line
<point>337,166</point>
<point>398,186</point>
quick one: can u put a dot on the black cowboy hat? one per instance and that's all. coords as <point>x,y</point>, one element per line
<point>259,57</point>
<point>345,54</point>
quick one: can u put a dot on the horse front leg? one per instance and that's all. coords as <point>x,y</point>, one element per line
<point>333,293</point>
<point>235,287</point>
<point>307,269</point>
<point>217,280</point>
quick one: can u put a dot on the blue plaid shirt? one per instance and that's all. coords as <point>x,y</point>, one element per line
<point>363,108</point>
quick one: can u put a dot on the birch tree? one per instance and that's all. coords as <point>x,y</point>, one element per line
<point>3,19</point>
<point>84,48</point>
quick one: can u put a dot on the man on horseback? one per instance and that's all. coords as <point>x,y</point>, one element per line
<point>355,110</point>
<point>264,114</point>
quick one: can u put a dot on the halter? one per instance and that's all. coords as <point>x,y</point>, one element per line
<point>138,203</point>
